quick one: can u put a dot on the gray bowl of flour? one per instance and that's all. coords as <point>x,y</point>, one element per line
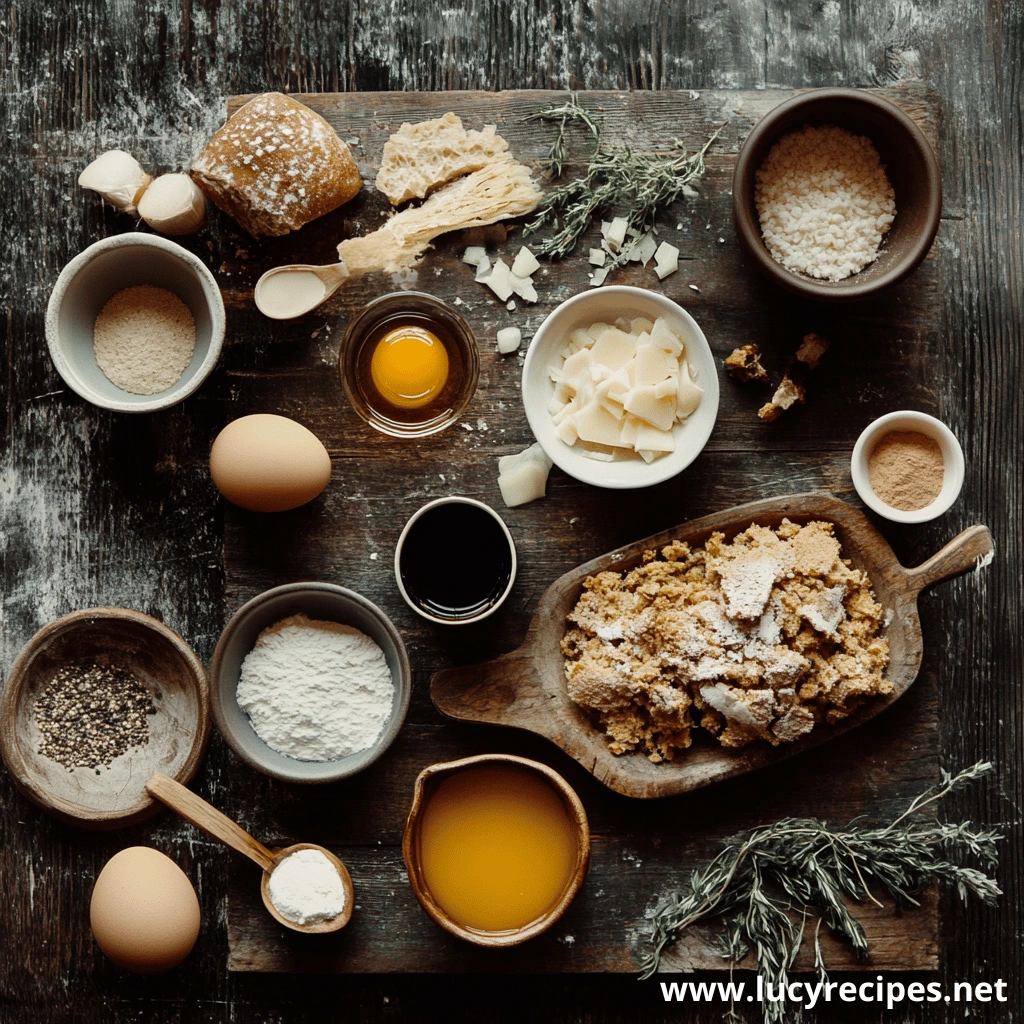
<point>93,279</point>
<point>311,662</point>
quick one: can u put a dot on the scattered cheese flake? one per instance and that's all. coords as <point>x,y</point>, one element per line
<point>499,280</point>
<point>511,305</point>
<point>523,287</point>
<point>646,248</point>
<point>523,478</point>
<point>509,339</point>
<point>475,255</point>
<point>616,233</point>
<point>525,264</point>
<point>597,257</point>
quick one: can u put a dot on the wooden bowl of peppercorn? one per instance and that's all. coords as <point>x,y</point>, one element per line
<point>94,704</point>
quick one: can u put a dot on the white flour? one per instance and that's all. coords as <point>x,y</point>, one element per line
<point>306,887</point>
<point>315,691</point>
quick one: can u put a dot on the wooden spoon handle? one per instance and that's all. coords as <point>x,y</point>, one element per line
<point>201,814</point>
<point>969,550</point>
<point>506,691</point>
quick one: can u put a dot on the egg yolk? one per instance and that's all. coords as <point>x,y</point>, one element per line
<point>409,367</point>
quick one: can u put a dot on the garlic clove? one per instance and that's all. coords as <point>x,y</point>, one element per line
<point>173,205</point>
<point>118,177</point>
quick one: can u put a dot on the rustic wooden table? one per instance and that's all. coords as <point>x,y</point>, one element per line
<point>100,509</point>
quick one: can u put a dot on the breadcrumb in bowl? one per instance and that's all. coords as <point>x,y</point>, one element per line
<point>909,162</point>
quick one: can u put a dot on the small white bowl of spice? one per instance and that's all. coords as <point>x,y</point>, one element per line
<point>135,323</point>
<point>908,467</point>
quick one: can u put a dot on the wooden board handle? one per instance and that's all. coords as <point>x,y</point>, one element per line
<point>503,692</point>
<point>969,550</point>
<point>204,816</point>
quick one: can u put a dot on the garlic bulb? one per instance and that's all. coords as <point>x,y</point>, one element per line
<point>118,178</point>
<point>173,205</point>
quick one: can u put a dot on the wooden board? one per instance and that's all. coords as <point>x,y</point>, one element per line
<point>526,688</point>
<point>348,537</point>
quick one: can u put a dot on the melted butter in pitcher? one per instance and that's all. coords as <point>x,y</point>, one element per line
<point>498,847</point>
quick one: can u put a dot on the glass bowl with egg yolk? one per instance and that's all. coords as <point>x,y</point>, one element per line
<point>409,364</point>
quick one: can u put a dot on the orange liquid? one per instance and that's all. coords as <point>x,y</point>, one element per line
<point>497,847</point>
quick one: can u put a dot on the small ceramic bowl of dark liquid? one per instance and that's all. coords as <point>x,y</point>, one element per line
<point>455,561</point>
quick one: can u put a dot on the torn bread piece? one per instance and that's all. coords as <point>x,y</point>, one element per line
<point>503,188</point>
<point>788,393</point>
<point>744,363</point>
<point>811,349</point>
<point>421,157</point>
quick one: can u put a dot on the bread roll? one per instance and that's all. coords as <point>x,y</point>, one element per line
<point>276,165</point>
<point>420,157</point>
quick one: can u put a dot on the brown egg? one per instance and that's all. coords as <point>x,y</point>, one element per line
<point>144,911</point>
<point>269,463</point>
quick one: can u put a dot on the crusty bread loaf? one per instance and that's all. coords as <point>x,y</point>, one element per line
<point>420,157</point>
<point>276,165</point>
<point>502,188</point>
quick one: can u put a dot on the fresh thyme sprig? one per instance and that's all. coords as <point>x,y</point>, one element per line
<point>768,885</point>
<point>616,178</point>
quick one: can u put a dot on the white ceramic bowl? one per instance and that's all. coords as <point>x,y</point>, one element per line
<point>323,601</point>
<point>102,270</point>
<point>605,305</point>
<point>952,456</point>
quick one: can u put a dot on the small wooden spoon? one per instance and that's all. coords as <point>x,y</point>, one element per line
<point>196,810</point>
<point>333,277</point>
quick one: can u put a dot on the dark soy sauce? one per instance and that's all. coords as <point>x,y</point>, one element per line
<point>456,561</point>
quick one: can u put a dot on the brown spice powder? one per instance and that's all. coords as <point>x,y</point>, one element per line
<point>906,470</point>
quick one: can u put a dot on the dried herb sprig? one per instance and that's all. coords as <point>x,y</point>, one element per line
<point>564,114</point>
<point>616,178</point>
<point>766,886</point>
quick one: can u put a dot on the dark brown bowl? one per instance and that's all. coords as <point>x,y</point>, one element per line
<point>426,784</point>
<point>178,732</point>
<point>910,163</point>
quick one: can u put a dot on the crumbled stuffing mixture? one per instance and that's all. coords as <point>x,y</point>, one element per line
<point>760,638</point>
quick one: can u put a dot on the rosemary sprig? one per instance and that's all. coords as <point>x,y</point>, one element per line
<point>564,114</point>
<point>616,178</point>
<point>766,886</point>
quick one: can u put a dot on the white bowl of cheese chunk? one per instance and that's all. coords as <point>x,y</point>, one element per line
<point>544,399</point>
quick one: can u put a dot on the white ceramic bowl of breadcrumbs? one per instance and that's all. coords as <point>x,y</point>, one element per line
<point>896,455</point>
<point>152,294</point>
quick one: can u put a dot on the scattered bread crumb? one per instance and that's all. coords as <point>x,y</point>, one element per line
<point>811,349</point>
<point>787,393</point>
<point>744,363</point>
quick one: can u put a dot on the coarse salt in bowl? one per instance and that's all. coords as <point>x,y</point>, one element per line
<point>605,305</point>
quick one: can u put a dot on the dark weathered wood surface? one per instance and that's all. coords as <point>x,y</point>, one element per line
<point>97,509</point>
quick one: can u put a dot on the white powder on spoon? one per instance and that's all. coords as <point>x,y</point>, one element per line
<point>144,338</point>
<point>315,691</point>
<point>306,887</point>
